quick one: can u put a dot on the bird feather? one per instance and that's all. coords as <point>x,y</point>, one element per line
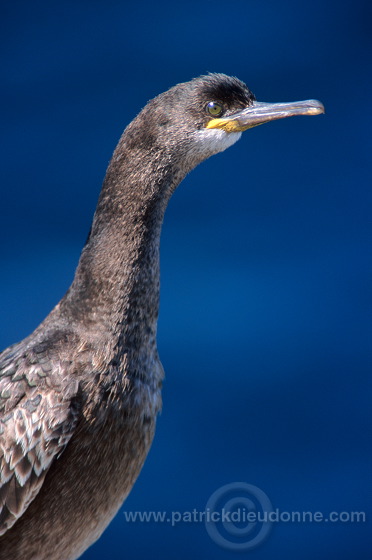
<point>37,419</point>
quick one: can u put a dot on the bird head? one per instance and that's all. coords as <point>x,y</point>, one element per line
<point>196,119</point>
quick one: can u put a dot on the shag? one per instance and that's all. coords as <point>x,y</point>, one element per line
<point>79,396</point>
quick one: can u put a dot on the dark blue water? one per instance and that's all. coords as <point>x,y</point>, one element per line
<point>263,327</point>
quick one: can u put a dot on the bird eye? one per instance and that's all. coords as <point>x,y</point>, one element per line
<point>213,108</point>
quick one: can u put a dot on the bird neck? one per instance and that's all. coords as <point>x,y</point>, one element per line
<point>116,286</point>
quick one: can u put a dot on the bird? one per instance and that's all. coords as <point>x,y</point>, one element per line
<point>79,396</point>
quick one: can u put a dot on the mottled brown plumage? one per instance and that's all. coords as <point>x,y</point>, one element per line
<point>79,396</point>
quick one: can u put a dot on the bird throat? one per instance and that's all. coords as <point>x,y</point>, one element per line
<point>117,281</point>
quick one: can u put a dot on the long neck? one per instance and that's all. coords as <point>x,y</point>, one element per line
<point>116,286</point>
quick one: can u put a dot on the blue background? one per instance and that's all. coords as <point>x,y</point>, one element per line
<point>263,323</point>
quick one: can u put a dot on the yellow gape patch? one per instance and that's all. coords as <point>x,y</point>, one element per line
<point>229,125</point>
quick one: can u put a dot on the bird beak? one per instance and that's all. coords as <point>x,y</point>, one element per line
<point>260,113</point>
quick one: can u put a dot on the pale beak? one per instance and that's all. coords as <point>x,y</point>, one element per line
<point>260,113</point>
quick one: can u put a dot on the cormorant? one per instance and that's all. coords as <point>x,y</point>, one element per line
<point>80,395</point>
